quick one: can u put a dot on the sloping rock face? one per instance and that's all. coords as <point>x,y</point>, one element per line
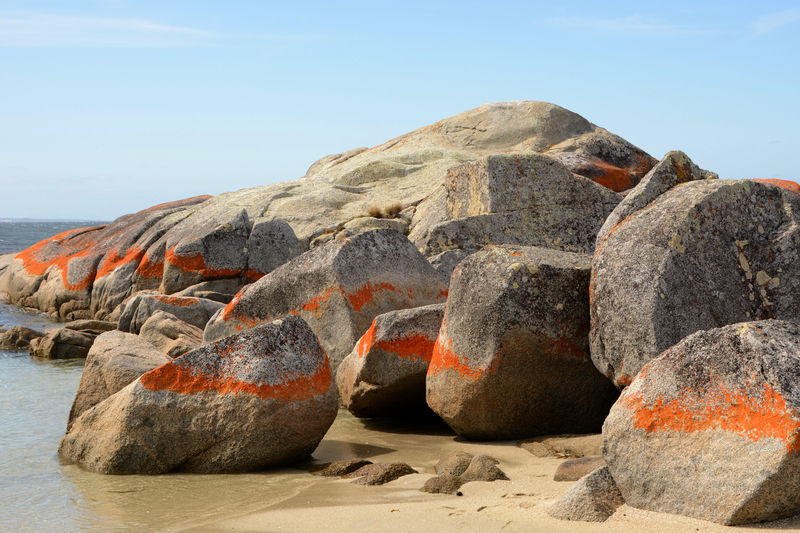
<point>526,199</point>
<point>338,288</point>
<point>244,234</point>
<point>512,356</point>
<point>114,360</point>
<point>594,498</point>
<point>711,428</point>
<point>385,372</point>
<point>194,311</point>
<point>258,399</point>
<point>170,335</point>
<point>702,255</point>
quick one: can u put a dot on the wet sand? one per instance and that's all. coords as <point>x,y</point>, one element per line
<point>310,503</point>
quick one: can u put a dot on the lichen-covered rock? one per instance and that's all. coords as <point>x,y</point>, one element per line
<point>244,234</point>
<point>261,398</point>
<point>219,290</point>
<point>574,469</point>
<point>703,254</point>
<point>170,335</point>
<point>62,343</point>
<point>711,428</point>
<point>385,372</point>
<point>18,337</point>
<point>675,168</point>
<point>114,360</point>
<point>338,288</point>
<point>512,359</point>
<point>142,306</point>
<point>524,199</point>
<point>379,473</point>
<point>94,326</point>
<point>594,498</point>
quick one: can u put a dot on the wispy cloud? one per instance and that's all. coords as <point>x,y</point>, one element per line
<point>633,25</point>
<point>43,30</point>
<point>773,21</point>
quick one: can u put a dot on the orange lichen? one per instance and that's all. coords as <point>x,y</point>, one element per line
<point>623,381</point>
<point>783,184</point>
<point>174,377</point>
<point>178,301</point>
<point>196,263</point>
<point>114,260</point>
<point>72,244</point>
<point>366,340</point>
<point>412,346</point>
<point>744,412</point>
<point>612,177</point>
<point>313,304</point>
<point>366,293</point>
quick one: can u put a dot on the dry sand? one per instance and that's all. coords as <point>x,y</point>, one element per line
<point>335,505</point>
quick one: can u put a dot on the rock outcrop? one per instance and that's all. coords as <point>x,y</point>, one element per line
<point>170,335</point>
<point>261,398</point>
<point>338,288</point>
<point>242,235</point>
<point>18,337</point>
<point>114,360</point>
<point>62,343</point>
<point>385,372</point>
<point>710,429</point>
<point>512,358</point>
<point>704,254</point>
<point>142,306</point>
<point>516,198</point>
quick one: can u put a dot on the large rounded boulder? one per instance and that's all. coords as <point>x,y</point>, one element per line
<point>338,288</point>
<point>512,356</point>
<point>703,254</point>
<point>711,428</point>
<point>385,372</point>
<point>261,398</point>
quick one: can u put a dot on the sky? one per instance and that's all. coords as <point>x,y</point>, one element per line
<point>111,106</point>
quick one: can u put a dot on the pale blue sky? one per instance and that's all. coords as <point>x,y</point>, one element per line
<point>110,106</point>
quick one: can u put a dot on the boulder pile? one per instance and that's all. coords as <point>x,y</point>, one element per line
<point>519,270</point>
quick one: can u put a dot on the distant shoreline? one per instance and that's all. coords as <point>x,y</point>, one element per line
<point>50,220</point>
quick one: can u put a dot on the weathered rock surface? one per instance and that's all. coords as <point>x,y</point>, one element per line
<point>170,335</point>
<point>443,484</point>
<point>379,473</point>
<point>244,234</point>
<point>261,398</point>
<point>524,199</point>
<point>574,469</point>
<point>594,498</point>
<point>114,360</point>
<point>62,343</point>
<point>454,464</point>
<point>18,337</point>
<point>702,255</point>
<point>675,168</point>
<point>483,468</point>
<point>385,372</point>
<point>710,429</point>
<point>93,326</point>
<point>338,288</point>
<point>512,359</point>
<point>219,290</point>
<point>341,468</point>
<point>142,306</point>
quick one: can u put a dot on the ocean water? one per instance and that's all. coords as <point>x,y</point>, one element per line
<point>40,494</point>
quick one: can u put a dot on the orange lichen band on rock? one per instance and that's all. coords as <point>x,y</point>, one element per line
<point>178,301</point>
<point>313,304</point>
<point>173,377</point>
<point>150,269</point>
<point>443,358</point>
<point>612,177</point>
<point>366,293</point>
<point>114,260</point>
<point>414,346</point>
<point>366,340</point>
<point>752,415</point>
<point>196,263</point>
<point>783,184</point>
<point>76,243</point>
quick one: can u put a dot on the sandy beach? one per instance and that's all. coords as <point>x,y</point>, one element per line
<point>518,505</point>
